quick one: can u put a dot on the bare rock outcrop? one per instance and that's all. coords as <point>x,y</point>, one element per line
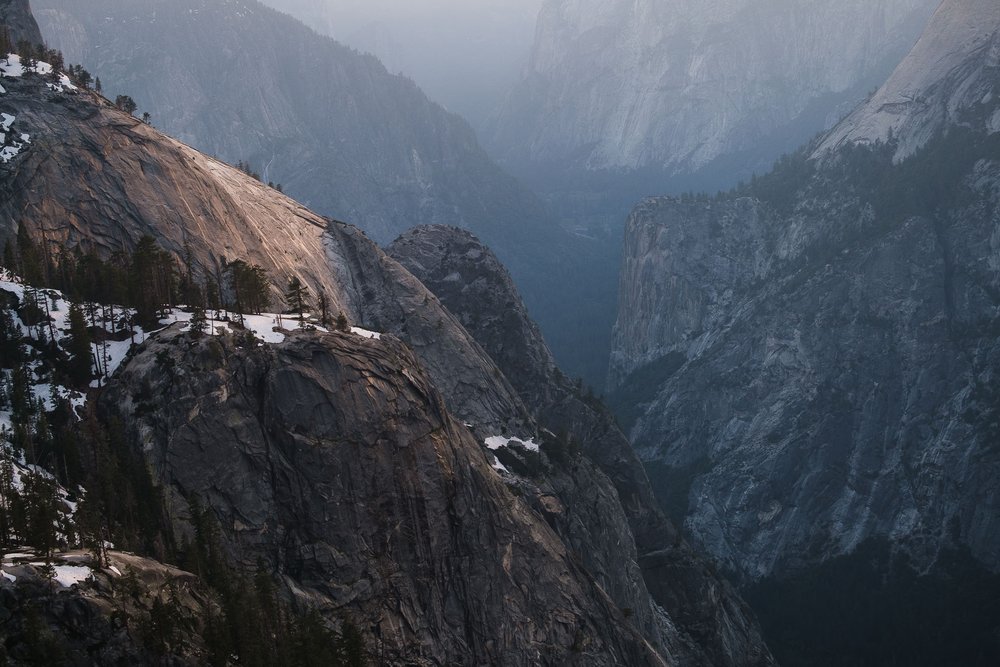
<point>335,462</point>
<point>703,619</point>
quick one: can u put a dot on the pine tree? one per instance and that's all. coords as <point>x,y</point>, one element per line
<point>297,298</point>
<point>6,45</point>
<point>9,259</point>
<point>79,348</point>
<point>250,287</point>
<point>97,85</point>
<point>342,323</point>
<point>324,308</point>
<point>126,103</point>
<point>199,323</point>
<point>30,264</point>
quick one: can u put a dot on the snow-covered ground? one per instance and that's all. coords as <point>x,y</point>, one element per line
<point>11,67</point>
<point>69,575</point>
<point>364,333</point>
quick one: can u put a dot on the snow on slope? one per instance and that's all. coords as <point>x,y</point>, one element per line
<point>12,67</point>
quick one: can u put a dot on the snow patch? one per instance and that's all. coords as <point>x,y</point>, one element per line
<point>9,148</point>
<point>9,577</point>
<point>70,575</point>
<point>495,442</point>
<point>364,333</point>
<point>12,67</point>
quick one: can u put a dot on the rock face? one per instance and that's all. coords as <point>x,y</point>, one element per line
<point>815,359</point>
<point>678,85</point>
<point>953,68</point>
<point>95,176</point>
<point>334,461</point>
<point>16,16</point>
<point>707,623</point>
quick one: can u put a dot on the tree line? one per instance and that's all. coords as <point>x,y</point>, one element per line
<point>150,281</point>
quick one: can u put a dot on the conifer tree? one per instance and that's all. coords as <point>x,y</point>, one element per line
<point>9,260</point>
<point>324,308</point>
<point>199,322</point>
<point>30,264</point>
<point>6,46</point>
<point>79,347</point>
<point>297,298</point>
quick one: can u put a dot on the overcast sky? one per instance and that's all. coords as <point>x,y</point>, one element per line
<point>465,54</point>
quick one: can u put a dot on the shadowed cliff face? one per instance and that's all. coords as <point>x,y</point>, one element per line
<point>708,623</point>
<point>334,461</point>
<point>16,16</point>
<point>832,335</point>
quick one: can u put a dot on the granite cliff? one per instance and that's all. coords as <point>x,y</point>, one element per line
<point>843,303</point>
<point>951,70</point>
<point>475,286</point>
<point>807,367</point>
<point>331,459</point>
<point>342,135</point>
<point>807,364</point>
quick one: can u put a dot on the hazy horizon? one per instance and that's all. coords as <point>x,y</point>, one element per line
<point>464,55</point>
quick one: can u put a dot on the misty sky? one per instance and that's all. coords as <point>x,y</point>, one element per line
<point>465,54</point>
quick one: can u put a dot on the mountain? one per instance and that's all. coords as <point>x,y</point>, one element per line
<point>339,133</point>
<point>389,479</point>
<point>20,22</point>
<point>475,286</point>
<point>806,366</point>
<point>680,87</point>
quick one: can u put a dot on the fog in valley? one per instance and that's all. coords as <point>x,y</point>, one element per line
<point>465,54</point>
